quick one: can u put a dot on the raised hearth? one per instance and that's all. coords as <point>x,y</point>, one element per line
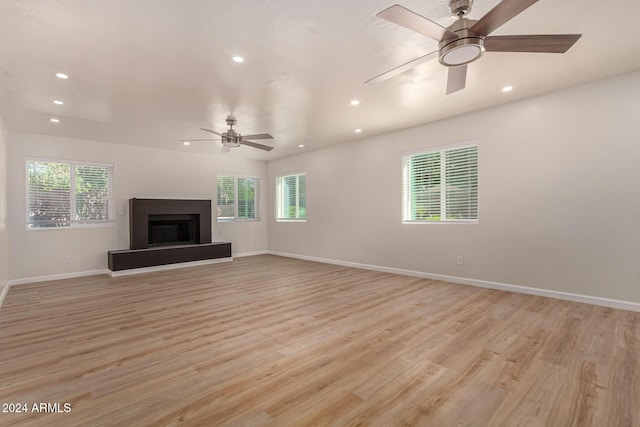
<point>164,255</point>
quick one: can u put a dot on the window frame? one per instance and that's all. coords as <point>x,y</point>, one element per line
<point>256,199</point>
<point>406,181</point>
<point>279,199</point>
<point>108,223</point>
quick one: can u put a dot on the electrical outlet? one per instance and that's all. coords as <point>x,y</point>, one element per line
<point>460,260</point>
<point>67,259</point>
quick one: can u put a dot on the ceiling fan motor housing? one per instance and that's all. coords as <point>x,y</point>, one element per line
<point>466,48</point>
<point>231,139</point>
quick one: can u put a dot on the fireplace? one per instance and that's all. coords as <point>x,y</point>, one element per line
<point>168,222</point>
<point>173,230</point>
<point>168,231</point>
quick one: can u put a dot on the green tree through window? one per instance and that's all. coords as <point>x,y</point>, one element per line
<point>291,197</point>
<point>61,194</point>
<point>237,198</point>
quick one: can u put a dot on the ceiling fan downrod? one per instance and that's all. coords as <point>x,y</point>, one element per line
<point>460,8</point>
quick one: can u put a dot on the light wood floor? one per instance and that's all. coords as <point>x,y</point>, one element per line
<point>274,341</point>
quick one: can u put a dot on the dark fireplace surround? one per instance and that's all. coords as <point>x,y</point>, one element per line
<point>168,222</point>
<point>168,231</point>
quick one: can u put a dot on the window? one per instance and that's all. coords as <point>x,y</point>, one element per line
<point>291,198</point>
<point>237,198</point>
<point>66,194</point>
<point>441,185</point>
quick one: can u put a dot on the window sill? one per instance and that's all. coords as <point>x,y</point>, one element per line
<point>238,219</point>
<point>291,220</point>
<point>442,222</point>
<point>74,227</point>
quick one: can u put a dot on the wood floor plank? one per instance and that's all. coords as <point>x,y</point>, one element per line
<point>273,341</point>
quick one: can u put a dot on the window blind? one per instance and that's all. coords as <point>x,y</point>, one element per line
<point>62,194</point>
<point>226,197</point>
<point>441,185</point>
<point>93,186</point>
<point>291,198</point>
<point>461,166</point>
<point>246,198</point>
<point>237,198</point>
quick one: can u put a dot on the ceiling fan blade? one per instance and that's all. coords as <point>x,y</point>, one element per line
<point>225,149</point>
<point>500,14</point>
<point>408,19</point>
<point>256,145</point>
<point>198,140</point>
<point>456,79</point>
<point>211,131</point>
<point>402,68</point>
<point>258,136</point>
<point>558,43</point>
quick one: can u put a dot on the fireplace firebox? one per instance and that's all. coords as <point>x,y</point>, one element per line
<point>173,230</point>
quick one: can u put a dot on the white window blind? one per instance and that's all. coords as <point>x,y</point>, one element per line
<point>291,197</point>
<point>441,185</point>
<point>64,194</point>
<point>226,197</point>
<point>237,198</point>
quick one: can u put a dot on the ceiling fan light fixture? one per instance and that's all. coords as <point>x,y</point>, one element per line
<point>461,51</point>
<point>464,41</point>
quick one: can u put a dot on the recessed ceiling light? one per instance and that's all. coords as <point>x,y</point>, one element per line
<point>54,120</point>
<point>62,76</point>
<point>355,102</point>
<point>358,130</point>
<point>186,143</point>
<point>238,58</point>
<point>507,88</point>
<point>58,102</point>
<point>301,145</point>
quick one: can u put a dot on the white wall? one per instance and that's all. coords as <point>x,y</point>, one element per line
<point>138,172</point>
<point>4,233</point>
<point>559,200</point>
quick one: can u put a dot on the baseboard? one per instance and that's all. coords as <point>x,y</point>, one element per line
<point>36,279</point>
<point>3,292</point>
<point>243,254</point>
<point>167,267</point>
<point>49,277</point>
<point>587,299</point>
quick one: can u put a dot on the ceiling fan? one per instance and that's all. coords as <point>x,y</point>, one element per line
<point>467,40</point>
<point>231,138</point>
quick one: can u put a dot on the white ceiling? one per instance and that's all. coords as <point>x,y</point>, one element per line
<point>151,72</point>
